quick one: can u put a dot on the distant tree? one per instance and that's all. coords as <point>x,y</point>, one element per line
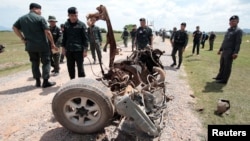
<point>129,26</point>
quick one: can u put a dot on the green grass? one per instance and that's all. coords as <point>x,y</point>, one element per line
<point>15,58</point>
<point>200,71</point>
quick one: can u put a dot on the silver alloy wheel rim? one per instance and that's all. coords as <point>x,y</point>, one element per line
<point>82,111</point>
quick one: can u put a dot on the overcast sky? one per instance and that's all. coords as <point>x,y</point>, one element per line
<point>210,15</point>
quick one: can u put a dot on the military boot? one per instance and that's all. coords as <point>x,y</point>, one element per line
<point>46,83</point>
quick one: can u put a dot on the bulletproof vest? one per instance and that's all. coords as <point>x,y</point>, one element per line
<point>180,37</point>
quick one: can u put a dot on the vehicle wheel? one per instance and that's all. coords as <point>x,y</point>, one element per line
<point>83,105</point>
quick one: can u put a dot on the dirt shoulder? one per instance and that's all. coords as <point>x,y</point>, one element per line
<point>26,113</point>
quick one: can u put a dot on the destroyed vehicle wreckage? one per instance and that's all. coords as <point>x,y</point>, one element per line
<point>132,88</point>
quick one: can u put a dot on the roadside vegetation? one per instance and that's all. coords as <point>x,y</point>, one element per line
<point>200,71</point>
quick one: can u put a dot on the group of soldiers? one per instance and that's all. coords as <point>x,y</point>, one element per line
<point>43,42</point>
<point>229,49</point>
<point>200,38</point>
<point>141,37</point>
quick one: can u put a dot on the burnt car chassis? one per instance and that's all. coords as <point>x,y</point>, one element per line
<point>132,91</point>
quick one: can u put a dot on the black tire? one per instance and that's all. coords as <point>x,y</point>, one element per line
<point>83,105</point>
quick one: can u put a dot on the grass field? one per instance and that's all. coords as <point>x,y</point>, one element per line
<point>201,69</point>
<point>15,58</point>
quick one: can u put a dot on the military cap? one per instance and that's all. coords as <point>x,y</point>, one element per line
<point>52,19</point>
<point>35,5</point>
<point>183,23</point>
<point>142,19</point>
<point>72,10</point>
<point>234,17</point>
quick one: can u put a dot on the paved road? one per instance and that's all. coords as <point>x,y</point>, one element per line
<point>26,110</point>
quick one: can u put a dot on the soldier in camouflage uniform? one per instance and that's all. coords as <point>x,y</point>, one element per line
<point>56,33</point>
<point>95,39</point>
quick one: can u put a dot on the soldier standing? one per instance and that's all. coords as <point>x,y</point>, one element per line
<point>196,41</point>
<point>179,43</point>
<point>229,50</point>
<point>33,30</point>
<point>211,40</point>
<point>95,39</point>
<point>163,35</point>
<point>56,33</point>
<point>204,37</point>
<point>144,35</point>
<point>75,43</point>
<point>124,36</point>
<point>172,35</point>
<point>133,35</point>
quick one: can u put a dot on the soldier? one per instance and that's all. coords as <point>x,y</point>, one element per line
<point>172,35</point>
<point>75,43</point>
<point>163,35</point>
<point>144,35</point>
<point>211,40</point>
<point>124,36</point>
<point>196,41</point>
<point>95,39</point>
<point>179,43</point>
<point>56,33</point>
<point>229,50</point>
<point>33,30</point>
<point>204,37</point>
<point>133,35</point>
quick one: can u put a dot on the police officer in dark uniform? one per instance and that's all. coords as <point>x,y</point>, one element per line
<point>56,33</point>
<point>179,43</point>
<point>204,37</point>
<point>75,43</point>
<point>33,30</point>
<point>124,36</point>
<point>95,39</point>
<point>211,40</point>
<point>133,36</point>
<point>196,41</point>
<point>163,36</point>
<point>229,50</point>
<point>144,35</point>
<point>173,33</point>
